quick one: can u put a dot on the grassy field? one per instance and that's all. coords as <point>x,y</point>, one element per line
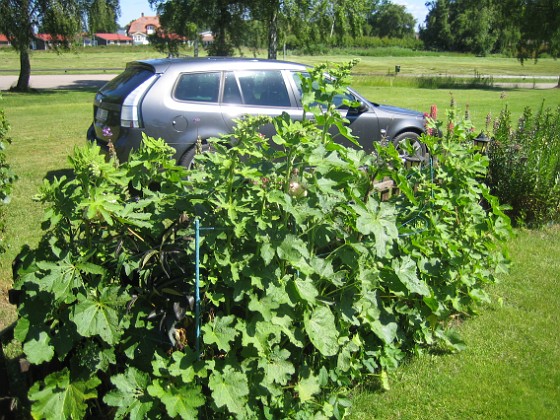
<point>511,366</point>
<point>93,60</point>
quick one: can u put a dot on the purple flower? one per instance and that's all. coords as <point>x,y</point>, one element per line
<point>107,132</point>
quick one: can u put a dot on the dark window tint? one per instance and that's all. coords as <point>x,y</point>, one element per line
<point>232,95</point>
<point>199,87</point>
<point>264,88</point>
<point>119,87</point>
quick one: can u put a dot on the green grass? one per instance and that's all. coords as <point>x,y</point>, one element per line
<point>511,367</point>
<point>480,102</point>
<point>418,65</point>
<point>45,127</point>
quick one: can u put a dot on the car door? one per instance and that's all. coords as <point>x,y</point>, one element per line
<point>362,119</point>
<point>257,92</point>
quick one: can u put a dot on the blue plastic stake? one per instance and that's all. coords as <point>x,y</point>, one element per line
<point>197,284</point>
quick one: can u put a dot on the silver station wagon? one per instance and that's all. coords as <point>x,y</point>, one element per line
<point>182,99</point>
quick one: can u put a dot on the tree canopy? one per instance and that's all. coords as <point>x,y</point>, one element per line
<point>391,21</point>
<point>528,28</point>
<point>62,20</point>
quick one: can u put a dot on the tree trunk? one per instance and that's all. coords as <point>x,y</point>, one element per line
<point>273,35</point>
<point>24,70</point>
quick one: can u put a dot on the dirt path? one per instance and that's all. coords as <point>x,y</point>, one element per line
<point>76,81</point>
<point>64,81</point>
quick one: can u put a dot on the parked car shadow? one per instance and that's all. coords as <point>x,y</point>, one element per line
<point>59,173</point>
<point>84,84</point>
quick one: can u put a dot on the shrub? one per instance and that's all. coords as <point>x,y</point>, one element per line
<point>525,165</point>
<point>7,176</point>
<point>310,282</point>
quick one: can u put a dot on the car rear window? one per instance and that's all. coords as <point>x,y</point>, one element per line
<point>119,87</point>
<point>199,87</point>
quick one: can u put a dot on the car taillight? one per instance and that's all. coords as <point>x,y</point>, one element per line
<point>130,112</point>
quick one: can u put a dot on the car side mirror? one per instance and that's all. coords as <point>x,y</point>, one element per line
<point>359,108</point>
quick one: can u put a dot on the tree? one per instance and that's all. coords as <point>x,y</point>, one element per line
<point>539,29</point>
<point>225,18</point>
<point>475,26</point>
<point>391,21</point>
<point>102,16</point>
<point>437,33</point>
<point>233,21</point>
<point>269,13</point>
<point>20,19</point>
<point>339,18</point>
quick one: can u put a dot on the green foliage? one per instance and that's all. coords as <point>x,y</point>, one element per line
<point>527,29</point>
<point>392,21</point>
<point>310,283</point>
<point>359,46</point>
<point>525,165</point>
<point>7,176</point>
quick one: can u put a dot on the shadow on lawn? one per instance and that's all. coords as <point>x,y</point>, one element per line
<point>59,173</point>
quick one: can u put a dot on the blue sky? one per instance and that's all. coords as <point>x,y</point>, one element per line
<point>133,9</point>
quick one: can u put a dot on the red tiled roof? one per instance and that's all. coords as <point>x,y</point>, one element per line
<point>139,25</point>
<point>48,37</point>
<point>113,37</point>
<point>3,38</point>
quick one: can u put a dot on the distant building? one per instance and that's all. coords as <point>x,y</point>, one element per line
<point>141,28</point>
<point>4,41</point>
<point>111,39</point>
<point>207,38</point>
<point>45,41</point>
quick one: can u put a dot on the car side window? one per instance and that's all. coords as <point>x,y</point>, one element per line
<point>264,88</point>
<point>199,87</point>
<point>338,100</point>
<point>232,95</point>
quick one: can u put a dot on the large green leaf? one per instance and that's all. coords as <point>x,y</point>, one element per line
<point>230,389</point>
<point>307,387</point>
<point>405,269</point>
<point>39,350</point>
<point>98,315</point>
<point>295,252</point>
<point>378,219</point>
<point>65,277</point>
<point>306,289</point>
<point>62,398</point>
<point>385,330</point>
<point>277,367</point>
<point>321,328</point>
<point>220,332</point>
<point>182,401</point>
<point>130,395</point>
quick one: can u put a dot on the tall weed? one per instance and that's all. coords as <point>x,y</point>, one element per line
<point>525,165</point>
<point>310,282</point>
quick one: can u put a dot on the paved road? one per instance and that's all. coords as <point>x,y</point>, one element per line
<point>76,81</point>
<point>65,81</point>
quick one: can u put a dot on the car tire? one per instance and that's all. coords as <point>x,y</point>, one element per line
<point>188,157</point>
<point>420,149</point>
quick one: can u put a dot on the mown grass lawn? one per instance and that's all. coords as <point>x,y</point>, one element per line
<point>511,366</point>
<point>413,64</point>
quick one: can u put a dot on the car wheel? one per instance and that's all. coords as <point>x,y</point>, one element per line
<point>419,148</point>
<point>188,157</point>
